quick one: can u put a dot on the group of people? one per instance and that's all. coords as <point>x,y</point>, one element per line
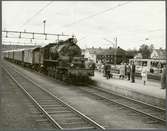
<point>128,71</point>
<point>163,76</point>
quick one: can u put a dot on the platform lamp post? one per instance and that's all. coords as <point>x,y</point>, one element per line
<point>115,47</point>
<point>115,51</point>
<point>44,22</point>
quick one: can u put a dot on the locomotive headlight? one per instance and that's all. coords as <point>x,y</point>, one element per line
<point>72,65</point>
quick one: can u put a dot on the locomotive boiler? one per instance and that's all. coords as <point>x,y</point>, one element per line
<point>63,60</point>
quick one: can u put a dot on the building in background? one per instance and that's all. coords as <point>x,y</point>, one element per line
<point>90,54</point>
<point>158,54</point>
<point>106,55</point>
<point>138,56</point>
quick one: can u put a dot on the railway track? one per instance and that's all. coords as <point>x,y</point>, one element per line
<point>154,114</point>
<point>58,113</point>
<point>151,113</point>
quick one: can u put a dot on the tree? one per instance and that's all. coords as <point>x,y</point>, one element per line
<point>151,47</point>
<point>145,51</point>
<point>132,52</point>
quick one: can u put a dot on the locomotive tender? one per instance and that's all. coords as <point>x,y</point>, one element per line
<point>62,60</point>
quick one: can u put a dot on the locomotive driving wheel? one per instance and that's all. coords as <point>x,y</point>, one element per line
<point>65,75</point>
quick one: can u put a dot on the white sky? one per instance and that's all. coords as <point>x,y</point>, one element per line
<point>130,23</point>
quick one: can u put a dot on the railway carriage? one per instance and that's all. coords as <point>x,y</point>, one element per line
<point>18,56</point>
<point>5,54</point>
<point>62,60</point>
<point>10,55</point>
<point>28,57</point>
<point>36,59</point>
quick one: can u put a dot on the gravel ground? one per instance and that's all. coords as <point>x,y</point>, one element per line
<point>107,115</point>
<point>15,109</point>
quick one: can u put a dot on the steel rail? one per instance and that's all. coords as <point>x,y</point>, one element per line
<point>139,111</point>
<point>131,99</point>
<point>34,101</point>
<point>92,122</point>
<point>158,108</point>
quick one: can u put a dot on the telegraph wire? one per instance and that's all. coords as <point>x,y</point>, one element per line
<point>38,12</point>
<point>91,16</point>
<point>98,13</point>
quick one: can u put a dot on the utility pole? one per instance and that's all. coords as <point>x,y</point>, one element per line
<point>44,22</point>
<point>115,51</point>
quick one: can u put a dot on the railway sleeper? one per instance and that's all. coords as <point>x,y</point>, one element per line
<point>80,128</point>
<point>72,118</point>
<point>57,108</point>
<point>60,111</point>
<point>67,115</point>
<point>152,122</point>
<point>46,100</point>
<point>51,105</point>
<point>75,125</point>
<point>46,125</point>
<point>42,120</point>
<point>76,120</point>
<point>36,112</point>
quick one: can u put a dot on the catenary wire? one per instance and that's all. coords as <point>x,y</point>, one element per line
<point>38,12</point>
<point>93,15</point>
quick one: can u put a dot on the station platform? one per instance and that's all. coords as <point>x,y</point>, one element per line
<point>151,93</point>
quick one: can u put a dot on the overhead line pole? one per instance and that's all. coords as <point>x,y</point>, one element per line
<point>44,22</point>
<point>32,33</point>
<point>115,51</point>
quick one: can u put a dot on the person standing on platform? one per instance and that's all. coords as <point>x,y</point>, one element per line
<point>133,72</point>
<point>122,71</point>
<point>163,78</point>
<point>102,68</point>
<point>107,69</point>
<point>144,74</point>
<point>128,70</point>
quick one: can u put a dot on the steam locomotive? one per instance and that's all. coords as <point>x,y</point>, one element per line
<point>62,60</point>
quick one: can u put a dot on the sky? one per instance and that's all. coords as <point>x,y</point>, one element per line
<point>94,23</point>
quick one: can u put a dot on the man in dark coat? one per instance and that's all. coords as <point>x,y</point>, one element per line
<point>133,72</point>
<point>107,69</point>
<point>163,78</point>
<point>128,70</point>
